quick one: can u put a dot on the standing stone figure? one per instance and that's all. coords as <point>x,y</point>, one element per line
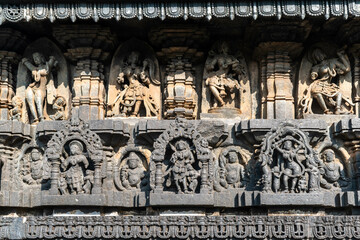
<point>135,79</point>
<point>323,89</point>
<point>181,171</point>
<point>37,91</point>
<point>74,166</point>
<point>222,75</point>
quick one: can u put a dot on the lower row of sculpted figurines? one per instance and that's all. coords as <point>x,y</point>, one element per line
<point>292,172</point>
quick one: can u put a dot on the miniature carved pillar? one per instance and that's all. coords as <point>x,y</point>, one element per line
<point>355,50</point>
<point>180,93</point>
<point>55,174</point>
<point>354,147</point>
<point>97,174</point>
<point>180,49</point>
<point>8,61</point>
<point>88,48</point>
<point>276,80</point>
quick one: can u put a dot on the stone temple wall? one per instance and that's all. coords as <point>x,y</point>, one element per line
<point>180,120</point>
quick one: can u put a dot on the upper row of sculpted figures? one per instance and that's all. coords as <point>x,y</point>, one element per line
<point>135,87</point>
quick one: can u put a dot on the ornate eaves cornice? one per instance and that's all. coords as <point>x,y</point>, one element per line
<point>23,11</point>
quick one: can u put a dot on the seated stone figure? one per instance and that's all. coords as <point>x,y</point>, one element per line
<point>232,173</point>
<point>133,174</point>
<point>331,171</point>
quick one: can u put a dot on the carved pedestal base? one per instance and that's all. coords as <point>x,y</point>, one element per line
<point>329,118</point>
<point>163,199</point>
<point>222,112</point>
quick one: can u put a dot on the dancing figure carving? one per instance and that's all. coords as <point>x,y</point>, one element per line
<point>324,88</point>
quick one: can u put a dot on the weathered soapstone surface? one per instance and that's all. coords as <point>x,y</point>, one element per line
<point>166,129</point>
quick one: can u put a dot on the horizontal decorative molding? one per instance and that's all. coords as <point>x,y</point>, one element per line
<point>181,227</point>
<point>163,10</point>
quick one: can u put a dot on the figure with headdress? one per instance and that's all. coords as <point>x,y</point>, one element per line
<point>331,171</point>
<point>74,166</point>
<point>135,79</point>
<point>133,173</point>
<point>16,112</point>
<point>35,172</point>
<point>59,107</point>
<point>36,92</point>
<point>222,75</point>
<point>231,171</point>
<point>182,171</point>
<point>327,93</point>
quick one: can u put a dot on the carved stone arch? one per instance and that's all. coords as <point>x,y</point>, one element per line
<point>75,131</point>
<point>181,129</point>
<point>59,84</point>
<point>304,77</point>
<point>144,156</point>
<point>276,155</point>
<point>121,54</point>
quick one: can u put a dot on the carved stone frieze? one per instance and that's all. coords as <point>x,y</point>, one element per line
<point>76,156</point>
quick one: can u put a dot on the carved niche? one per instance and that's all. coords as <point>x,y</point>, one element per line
<point>132,169</point>
<point>288,162</point>
<point>42,89</point>
<point>226,85</point>
<point>325,82</point>
<point>181,161</point>
<point>134,86</point>
<point>335,173</point>
<point>76,156</point>
<point>34,167</point>
<point>231,169</point>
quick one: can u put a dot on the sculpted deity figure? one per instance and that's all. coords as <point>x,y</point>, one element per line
<point>135,79</point>
<point>183,173</point>
<point>331,171</point>
<point>59,107</point>
<point>36,168</point>
<point>232,172</point>
<point>16,111</point>
<point>133,173</point>
<point>327,94</point>
<point>74,165</point>
<point>288,162</point>
<point>289,166</point>
<point>36,92</point>
<point>222,72</point>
